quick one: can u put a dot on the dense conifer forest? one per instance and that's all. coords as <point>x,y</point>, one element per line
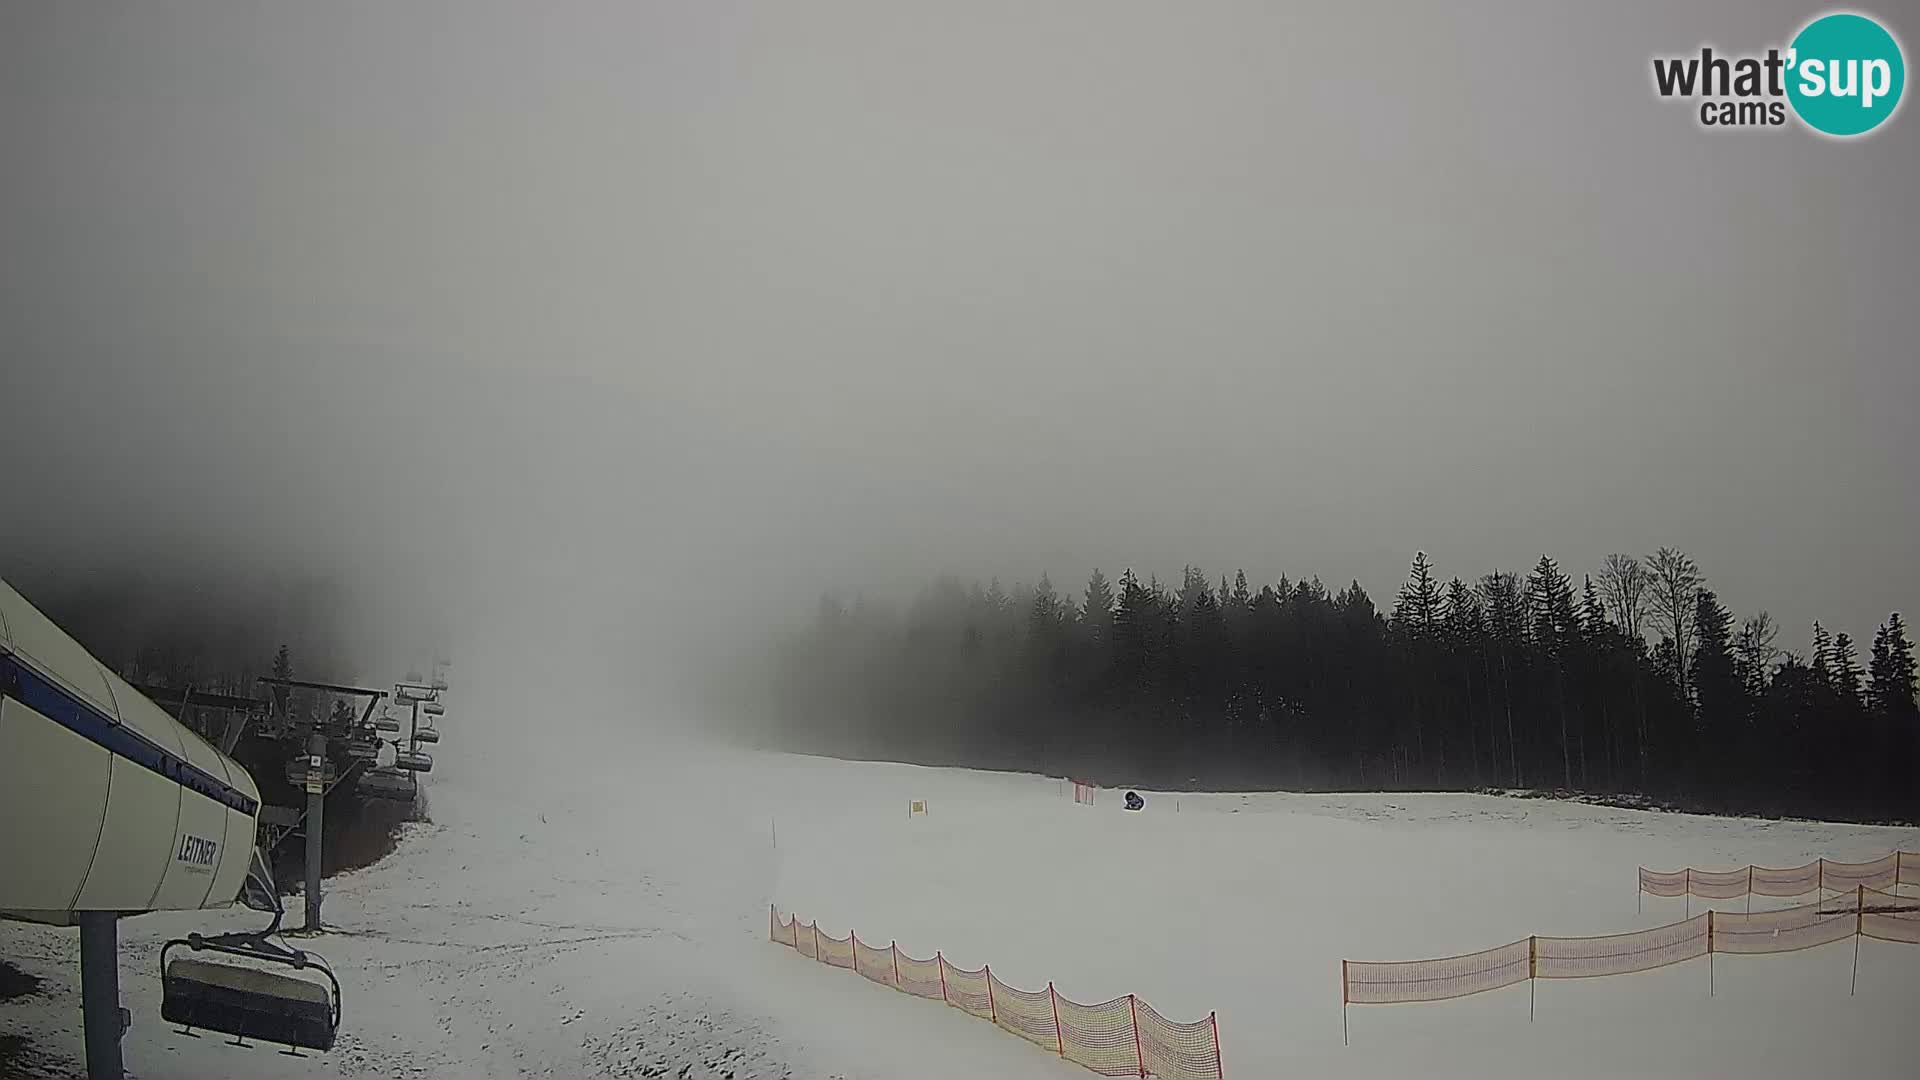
<point>1635,681</point>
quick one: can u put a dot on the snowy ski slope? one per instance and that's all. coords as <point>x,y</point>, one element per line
<point>606,915</point>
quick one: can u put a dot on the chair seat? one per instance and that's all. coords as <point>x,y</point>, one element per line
<point>249,1002</point>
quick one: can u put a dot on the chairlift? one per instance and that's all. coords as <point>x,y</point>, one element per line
<point>434,708</point>
<point>440,682</point>
<point>387,782</point>
<point>426,735</point>
<point>413,761</point>
<point>363,749</point>
<point>387,724</point>
<point>245,1000</point>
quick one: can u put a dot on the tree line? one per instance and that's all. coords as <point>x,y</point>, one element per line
<point>1635,681</point>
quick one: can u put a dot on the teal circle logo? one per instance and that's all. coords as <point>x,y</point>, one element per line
<point>1845,74</point>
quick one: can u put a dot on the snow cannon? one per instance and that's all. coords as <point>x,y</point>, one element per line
<point>1135,802</point>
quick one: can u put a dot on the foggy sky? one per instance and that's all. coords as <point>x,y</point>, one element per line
<point>607,330</point>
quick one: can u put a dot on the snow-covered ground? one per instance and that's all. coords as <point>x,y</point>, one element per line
<point>605,914</point>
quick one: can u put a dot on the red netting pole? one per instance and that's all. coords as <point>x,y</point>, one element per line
<point>1709,952</point>
<point>942,962</point>
<point>1533,969</point>
<point>816,940</point>
<point>1138,1057</point>
<point>1859,928</point>
<point>793,929</point>
<point>1344,999</point>
<point>896,965</point>
<point>1058,1039</point>
<point>1213,1021</point>
<point>1749,888</point>
<point>993,1012</point>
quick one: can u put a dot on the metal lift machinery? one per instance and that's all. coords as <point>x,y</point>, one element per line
<point>133,812</point>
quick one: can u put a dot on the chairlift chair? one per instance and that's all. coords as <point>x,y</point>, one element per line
<point>387,724</point>
<point>387,782</point>
<point>413,761</point>
<point>440,682</point>
<point>434,708</point>
<point>363,748</point>
<point>244,1000</point>
<point>426,735</point>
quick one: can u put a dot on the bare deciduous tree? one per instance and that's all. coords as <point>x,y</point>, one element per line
<point>1623,592</point>
<point>1673,579</point>
<point>1756,649</point>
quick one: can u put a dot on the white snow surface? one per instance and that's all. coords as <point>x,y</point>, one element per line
<point>606,915</point>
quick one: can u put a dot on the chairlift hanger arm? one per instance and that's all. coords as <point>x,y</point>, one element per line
<point>332,687</point>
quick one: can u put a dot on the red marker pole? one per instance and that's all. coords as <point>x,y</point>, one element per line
<point>1058,1040</point>
<point>1219,1071</point>
<point>1138,1057</point>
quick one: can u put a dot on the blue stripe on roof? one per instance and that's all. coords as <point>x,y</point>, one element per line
<point>41,695</point>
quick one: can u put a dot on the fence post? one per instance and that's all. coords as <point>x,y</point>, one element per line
<point>1749,888</point>
<point>1821,879</point>
<point>1533,967</point>
<point>1344,999</point>
<point>1859,928</point>
<point>816,940</point>
<point>1059,1040</point>
<point>896,965</point>
<point>1219,1070</point>
<point>794,932</point>
<point>1639,888</point>
<point>1709,952</point>
<point>942,962</point>
<point>1138,1057</point>
<point>1686,879</point>
<point>993,1011</point>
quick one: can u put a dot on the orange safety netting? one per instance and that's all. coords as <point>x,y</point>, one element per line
<point>1655,883</point>
<point>1170,1049</point>
<point>1889,871</point>
<point>1881,873</point>
<point>872,963</point>
<point>1121,1037</point>
<point>1793,881</point>
<point>1372,983</point>
<point>1863,911</point>
<point>834,952</point>
<point>1101,1037</point>
<point>1786,930</point>
<point>1888,917</point>
<point>1025,1013</point>
<point>1620,954</point>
